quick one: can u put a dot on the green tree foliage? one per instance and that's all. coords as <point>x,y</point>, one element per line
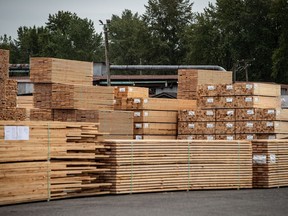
<point>280,56</point>
<point>167,21</point>
<point>128,39</point>
<point>9,44</point>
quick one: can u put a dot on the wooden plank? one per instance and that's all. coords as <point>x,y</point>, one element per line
<point>258,89</point>
<point>187,128</point>
<point>151,116</point>
<point>131,92</point>
<point>155,128</point>
<point>197,115</point>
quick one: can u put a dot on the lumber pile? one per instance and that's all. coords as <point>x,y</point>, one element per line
<point>189,79</point>
<point>154,118</point>
<point>171,165</point>
<point>8,92</point>
<point>50,160</point>
<point>53,70</point>
<point>235,111</point>
<point>270,159</point>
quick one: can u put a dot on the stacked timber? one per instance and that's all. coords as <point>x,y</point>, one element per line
<point>114,124</point>
<point>8,92</point>
<point>270,159</point>
<point>52,70</point>
<point>155,118</point>
<point>50,160</point>
<point>171,165</point>
<point>188,80</point>
<point>242,111</point>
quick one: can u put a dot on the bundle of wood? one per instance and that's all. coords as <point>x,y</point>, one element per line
<point>8,92</point>
<point>41,115</point>
<point>163,165</point>
<point>270,159</point>
<point>242,111</point>
<point>52,70</point>
<point>50,160</point>
<point>188,80</point>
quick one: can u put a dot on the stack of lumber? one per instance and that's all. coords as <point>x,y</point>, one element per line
<point>52,70</point>
<point>270,159</point>
<point>242,111</point>
<point>8,92</point>
<point>170,165</point>
<point>189,79</point>
<point>154,118</point>
<point>115,124</point>
<point>50,160</point>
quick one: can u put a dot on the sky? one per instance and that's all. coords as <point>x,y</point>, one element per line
<point>17,13</point>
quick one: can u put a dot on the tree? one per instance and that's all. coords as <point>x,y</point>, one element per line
<point>167,21</point>
<point>129,38</point>
<point>280,55</point>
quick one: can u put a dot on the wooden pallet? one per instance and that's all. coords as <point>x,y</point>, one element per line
<point>163,165</point>
<point>52,70</point>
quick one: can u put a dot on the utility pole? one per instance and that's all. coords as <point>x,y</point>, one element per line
<point>107,62</point>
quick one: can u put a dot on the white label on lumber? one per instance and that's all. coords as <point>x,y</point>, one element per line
<point>210,137</point>
<point>250,112</point>
<point>248,99</point>
<point>271,112</point>
<point>130,89</point>
<point>249,137</point>
<point>278,112</point>
<point>271,137</point>
<point>256,99</point>
<point>138,126</point>
<point>259,159</point>
<point>211,88</point>
<point>122,90</point>
<point>249,124</point>
<point>146,125</point>
<point>145,100</point>
<point>229,100</point>
<point>190,138</point>
<point>229,125</point>
<point>191,126</point>
<point>249,86</point>
<point>270,124</point>
<point>137,100</point>
<point>16,132</point>
<point>210,125</point>
<point>229,87</point>
<point>210,100</point>
<point>137,114</point>
<point>272,158</point>
<point>146,113</point>
<point>138,137</point>
<point>114,102</point>
<point>191,113</point>
<point>209,113</point>
<point>230,113</point>
<point>230,138</point>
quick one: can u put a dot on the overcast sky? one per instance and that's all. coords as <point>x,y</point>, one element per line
<point>16,13</point>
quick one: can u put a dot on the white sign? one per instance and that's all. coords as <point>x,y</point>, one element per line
<point>16,132</point>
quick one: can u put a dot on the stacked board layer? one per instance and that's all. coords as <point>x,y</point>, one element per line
<point>170,165</point>
<point>50,160</point>
<point>188,80</point>
<point>270,159</point>
<point>8,92</point>
<point>53,70</point>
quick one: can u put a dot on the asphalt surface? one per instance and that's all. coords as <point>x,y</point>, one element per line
<point>254,202</point>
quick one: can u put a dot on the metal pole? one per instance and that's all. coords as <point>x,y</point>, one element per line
<point>107,55</point>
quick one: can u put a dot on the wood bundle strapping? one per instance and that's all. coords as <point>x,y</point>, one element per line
<point>153,166</point>
<point>52,70</point>
<point>270,158</point>
<point>50,160</point>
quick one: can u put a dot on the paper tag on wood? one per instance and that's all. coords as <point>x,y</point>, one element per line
<point>271,112</point>
<point>271,137</point>
<point>230,113</point>
<point>16,132</point>
<point>146,113</point>
<point>137,100</point>
<point>138,137</point>
<point>137,114</point>
<point>210,137</point>
<point>211,87</point>
<point>210,125</point>
<point>145,100</point>
<point>190,138</point>
<point>229,100</point>
<point>230,138</point>
<point>259,159</point>
<point>229,125</point>
<point>138,126</point>
<point>209,113</point>
<point>249,86</point>
<point>229,87</point>
<point>249,137</point>
<point>130,89</point>
<point>122,90</point>
<point>250,124</point>
<point>270,124</point>
<point>191,113</point>
<point>250,112</point>
<point>210,100</point>
<point>272,158</point>
<point>191,126</point>
<point>146,125</point>
<point>248,99</point>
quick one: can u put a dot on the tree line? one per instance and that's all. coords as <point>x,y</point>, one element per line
<point>226,33</point>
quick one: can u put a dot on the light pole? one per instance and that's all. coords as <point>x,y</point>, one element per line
<point>105,28</point>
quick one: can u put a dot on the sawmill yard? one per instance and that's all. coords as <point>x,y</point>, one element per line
<point>220,148</point>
